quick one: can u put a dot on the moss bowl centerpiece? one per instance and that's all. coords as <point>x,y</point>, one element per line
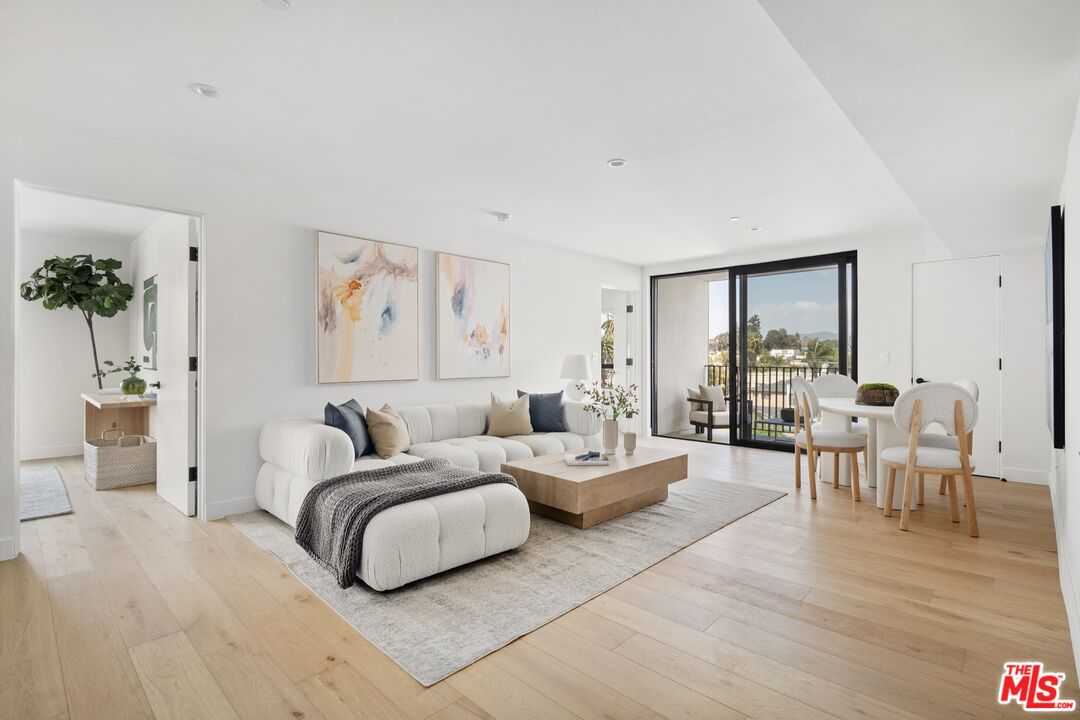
<point>876,394</point>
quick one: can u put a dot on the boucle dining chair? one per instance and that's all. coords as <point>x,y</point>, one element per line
<point>948,441</point>
<point>816,440</point>
<point>841,386</point>
<point>916,408</point>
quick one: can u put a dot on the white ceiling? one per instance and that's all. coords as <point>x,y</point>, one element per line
<point>55,213</point>
<point>970,105</point>
<point>479,106</point>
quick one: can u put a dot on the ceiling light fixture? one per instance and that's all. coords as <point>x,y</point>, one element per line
<point>734,218</point>
<point>280,5</point>
<point>616,162</point>
<point>502,217</point>
<point>207,91</point>
<point>755,228</point>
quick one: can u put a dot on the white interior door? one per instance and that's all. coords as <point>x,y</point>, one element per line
<point>956,334</point>
<point>164,254</point>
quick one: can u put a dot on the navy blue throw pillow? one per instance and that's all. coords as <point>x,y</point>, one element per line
<point>349,418</point>
<point>546,411</point>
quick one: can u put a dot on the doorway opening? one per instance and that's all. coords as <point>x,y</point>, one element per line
<point>727,342</point>
<point>107,336</point>
<point>617,338</point>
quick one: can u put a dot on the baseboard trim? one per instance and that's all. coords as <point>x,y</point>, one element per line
<point>7,548</point>
<point>55,451</point>
<point>218,510</point>
<point>1026,475</point>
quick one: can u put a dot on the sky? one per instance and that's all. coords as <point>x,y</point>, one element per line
<point>802,301</point>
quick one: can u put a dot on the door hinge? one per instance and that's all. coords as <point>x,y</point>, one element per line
<point>999,363</point>
<point>192,474</point>
<point>999,281</point>
<point>629,362</point>
<point>999,446</point>
<point>193,254</point>
<point>192,364</point>
<point>629,308</point>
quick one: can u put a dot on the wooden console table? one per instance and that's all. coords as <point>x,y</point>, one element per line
<point>107,412</point>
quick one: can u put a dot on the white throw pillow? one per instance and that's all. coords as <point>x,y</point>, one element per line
<point>716,394</point>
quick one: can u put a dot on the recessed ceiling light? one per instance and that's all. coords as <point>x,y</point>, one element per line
<point>734,218</point>
<point>502,217</point>
<point>616,162</point>
<point>754,229</point>
<point>207,91</point>
<point>281,5</point>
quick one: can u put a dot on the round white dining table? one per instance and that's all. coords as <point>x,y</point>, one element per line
<point>836,414</point>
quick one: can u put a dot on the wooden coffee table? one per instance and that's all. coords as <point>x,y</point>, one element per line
<point>589,495</point>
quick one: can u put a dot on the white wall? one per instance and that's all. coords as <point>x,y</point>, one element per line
<point>682,347</point>
<point>1066,470</point>
<point>259,291</point>
<point>55,351</point>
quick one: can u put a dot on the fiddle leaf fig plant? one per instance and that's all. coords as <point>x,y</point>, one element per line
<point>83,283</point>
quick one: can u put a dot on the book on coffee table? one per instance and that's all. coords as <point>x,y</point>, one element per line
<point>572,459</point>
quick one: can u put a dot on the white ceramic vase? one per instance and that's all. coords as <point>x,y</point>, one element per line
<point>629,440</point>
<point>611,436</point>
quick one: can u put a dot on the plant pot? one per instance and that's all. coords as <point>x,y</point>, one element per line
<point>611,436</point>
<point>629,442</point>
<point>787,414</point>
<point>133,385</point>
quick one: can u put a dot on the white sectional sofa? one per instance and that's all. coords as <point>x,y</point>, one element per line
<point>421,538</point>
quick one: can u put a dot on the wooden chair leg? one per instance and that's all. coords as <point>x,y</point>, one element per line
<point>922,488</point>
<point>941,486</point>
<point>954,502</point>
<point>909,487</point>
<point>811,462</point>
<point>855,477</point>
<point>890,487</point>
<point>798,467</point>
<point>969,496</point>
<point>835,470</point>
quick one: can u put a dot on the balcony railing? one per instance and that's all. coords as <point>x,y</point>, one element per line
<point>768,388</point>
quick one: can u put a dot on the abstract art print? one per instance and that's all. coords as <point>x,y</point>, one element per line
<point>473,322</point>
<point>369,324</point>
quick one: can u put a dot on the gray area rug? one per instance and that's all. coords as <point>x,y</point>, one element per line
<point>434,627</point>
<point>41,492</point>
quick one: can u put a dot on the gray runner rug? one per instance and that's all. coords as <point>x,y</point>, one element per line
<point>434,627</point>
<point>41,492</point>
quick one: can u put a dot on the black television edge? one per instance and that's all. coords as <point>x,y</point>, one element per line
<point>1055,326</point>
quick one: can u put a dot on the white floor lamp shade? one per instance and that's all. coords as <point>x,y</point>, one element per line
<point>576,369</point>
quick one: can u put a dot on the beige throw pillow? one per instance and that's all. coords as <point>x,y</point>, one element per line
<point>509,418</point>
<point>388,431</point>
<point>716,394</point>
<point>692,394</point>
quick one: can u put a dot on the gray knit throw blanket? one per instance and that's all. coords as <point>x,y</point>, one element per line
<point>336,512</point>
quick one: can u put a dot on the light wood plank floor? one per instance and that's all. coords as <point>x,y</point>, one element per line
<point>801,610</point>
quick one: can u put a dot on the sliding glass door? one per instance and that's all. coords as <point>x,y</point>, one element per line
<point>756,326</point>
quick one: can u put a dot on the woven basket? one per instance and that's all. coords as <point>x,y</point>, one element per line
<point>125,461</point>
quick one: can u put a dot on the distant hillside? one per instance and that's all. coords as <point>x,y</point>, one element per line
<point>823,335</point>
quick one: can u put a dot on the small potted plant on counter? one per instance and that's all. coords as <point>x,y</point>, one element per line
<point>132,384</point>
